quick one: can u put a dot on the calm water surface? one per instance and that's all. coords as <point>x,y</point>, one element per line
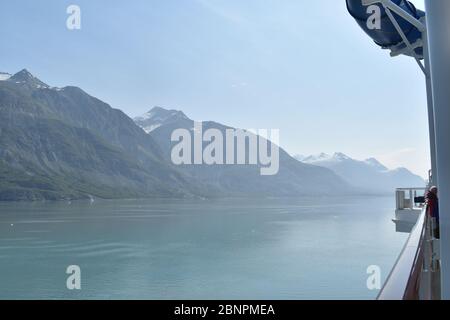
<point>311,248</point>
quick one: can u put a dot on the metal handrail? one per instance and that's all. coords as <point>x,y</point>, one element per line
<point>403,281</point>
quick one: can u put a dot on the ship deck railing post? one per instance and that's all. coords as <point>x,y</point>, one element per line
<point>438,26</point>
<point>430,106</point>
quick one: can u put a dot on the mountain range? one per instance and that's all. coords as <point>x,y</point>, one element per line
<point>58,143</point>
<point>294,178</point>
<point>368,175</point>
<point>62,143</point>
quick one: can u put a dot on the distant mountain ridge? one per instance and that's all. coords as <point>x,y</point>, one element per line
<point>369,175</point>
<point>293,178</point>
<point>62,143</point>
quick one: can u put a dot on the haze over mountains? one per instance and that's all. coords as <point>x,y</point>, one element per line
<point>62,143</point>
<point>293,178</point>
<point>369,175</point>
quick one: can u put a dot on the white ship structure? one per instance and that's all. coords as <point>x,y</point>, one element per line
<point>422,271</point>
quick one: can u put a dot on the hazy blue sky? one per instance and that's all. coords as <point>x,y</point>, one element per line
<point>305,69</point>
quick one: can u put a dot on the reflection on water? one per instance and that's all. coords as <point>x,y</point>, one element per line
<point>311,248</point>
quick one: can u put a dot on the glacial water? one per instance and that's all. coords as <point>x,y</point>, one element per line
<point>309,248</point>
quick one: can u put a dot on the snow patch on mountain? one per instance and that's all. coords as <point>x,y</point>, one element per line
<point>24,77</point>
<point>322,157</point>
<point>318,157</point>
<point>152,127</point>
<point>4,76</point>
<point>157,117</point>
<point>376,164</point>
<point>369,174</point>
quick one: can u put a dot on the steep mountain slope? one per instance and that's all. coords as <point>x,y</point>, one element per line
<point>63,143</point>
<point>293,178</point>
<point>369,175</point>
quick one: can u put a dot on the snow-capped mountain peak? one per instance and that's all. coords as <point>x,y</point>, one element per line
<point>25,77</point>
<point>369,175</point>
<point>318,157</point>
<point>376,164</point>
<point>157,117</point>
<point>321,157</point>
<point>340,156</point>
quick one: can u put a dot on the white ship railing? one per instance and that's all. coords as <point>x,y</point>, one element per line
<point>416,272</point>
<point>403,275</point>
